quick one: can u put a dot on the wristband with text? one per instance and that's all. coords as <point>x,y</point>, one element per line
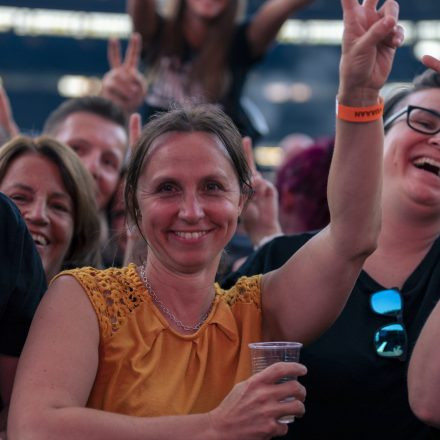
<point>360,114</point>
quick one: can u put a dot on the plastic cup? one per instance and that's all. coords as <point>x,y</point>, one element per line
<point>264,354</point>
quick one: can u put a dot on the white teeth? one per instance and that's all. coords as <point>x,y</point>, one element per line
<point>39,239</point>
<point>424,161</point>
<point>190,235</point>
<point>428,160</point>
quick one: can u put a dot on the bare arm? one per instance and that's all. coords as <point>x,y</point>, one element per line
<point>8,366</point>
<point>268,21</point>
<point>305,296</point>
<point>143,16</point>
<point>57,370</point>
<point>424,372</point>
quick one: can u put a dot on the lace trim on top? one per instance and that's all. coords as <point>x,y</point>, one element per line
<point>246,290</point>
<point>116,292</point>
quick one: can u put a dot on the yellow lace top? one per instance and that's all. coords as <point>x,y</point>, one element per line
<point>148,369</point>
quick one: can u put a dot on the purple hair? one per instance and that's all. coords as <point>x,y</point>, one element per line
<point>306,174</point>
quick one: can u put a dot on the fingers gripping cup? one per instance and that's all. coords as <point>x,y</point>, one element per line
<point>264,354</point>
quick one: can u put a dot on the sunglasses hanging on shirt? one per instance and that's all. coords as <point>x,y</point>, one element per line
<point>390,340</point>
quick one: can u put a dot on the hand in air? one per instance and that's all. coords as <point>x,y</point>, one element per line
<point>260,217</point>
<point>431,62</point>
<point>123,83</point>
<point>7,122</point>
<point>370,39</point>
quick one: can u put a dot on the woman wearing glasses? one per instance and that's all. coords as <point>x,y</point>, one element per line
<point>424,366</point>
<point>356,381</point>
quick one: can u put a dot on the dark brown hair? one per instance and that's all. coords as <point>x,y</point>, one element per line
<point>209,66</point>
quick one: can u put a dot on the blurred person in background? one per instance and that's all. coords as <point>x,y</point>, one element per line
<point>96,129</point>
<point>56,197</point>
<point>199,52</point>
<point>301,183</point>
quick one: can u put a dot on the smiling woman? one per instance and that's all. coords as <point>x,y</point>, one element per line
<point>55,195</point>
<point>161,350</point>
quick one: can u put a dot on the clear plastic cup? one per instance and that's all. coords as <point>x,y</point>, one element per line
<point>264,354</point>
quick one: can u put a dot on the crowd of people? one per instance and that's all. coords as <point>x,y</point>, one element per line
<point>143,250</point>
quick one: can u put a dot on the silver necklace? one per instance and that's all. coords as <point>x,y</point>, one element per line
<point>167,311</point>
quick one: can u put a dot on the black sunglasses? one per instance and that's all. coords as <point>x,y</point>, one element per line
<point>390,340</point>
<point>420,119</point>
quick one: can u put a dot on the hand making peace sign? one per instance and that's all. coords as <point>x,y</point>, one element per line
<point>123,83</point>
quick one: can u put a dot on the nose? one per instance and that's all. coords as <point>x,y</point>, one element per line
<point>37,212</point>
<point>435,139</point>
<point>191,208</point>
<point>92,163</point>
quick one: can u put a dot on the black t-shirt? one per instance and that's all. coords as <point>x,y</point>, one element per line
<point>352,393</point>
<point>22,279</point>
<point>167,78</point>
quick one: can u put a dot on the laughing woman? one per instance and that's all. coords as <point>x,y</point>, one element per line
<point>55,195</point>
<point>159,350</point>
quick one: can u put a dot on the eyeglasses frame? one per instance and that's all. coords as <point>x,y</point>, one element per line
<point>408,110</point>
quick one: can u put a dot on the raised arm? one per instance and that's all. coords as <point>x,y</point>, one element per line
<point>268,20</point>
<point>305,296</point>
<point>144,18</point>
<point>424,372</point>
<point>8,127</point>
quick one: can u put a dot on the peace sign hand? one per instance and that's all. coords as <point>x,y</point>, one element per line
<point>124,84</point>
<point>370,39</point>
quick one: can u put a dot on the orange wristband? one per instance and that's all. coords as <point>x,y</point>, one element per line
<point>360,114</point>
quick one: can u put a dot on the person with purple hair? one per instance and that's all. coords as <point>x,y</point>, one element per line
<point>301,182</point>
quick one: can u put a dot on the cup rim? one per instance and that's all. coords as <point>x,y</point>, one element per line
<point>274,344</point>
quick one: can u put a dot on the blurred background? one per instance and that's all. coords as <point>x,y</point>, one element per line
<point>54,49</point>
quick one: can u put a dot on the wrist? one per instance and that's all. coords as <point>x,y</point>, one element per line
<point>357,97</point>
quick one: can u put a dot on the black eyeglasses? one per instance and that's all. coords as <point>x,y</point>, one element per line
<point>420,119</point>
<point>390,341</point>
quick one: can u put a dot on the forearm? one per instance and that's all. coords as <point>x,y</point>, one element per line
<point>355,179</point>
<point>143,16</point>
<point>424,372</point>
<point>268,20</point>
<point>85,423</point>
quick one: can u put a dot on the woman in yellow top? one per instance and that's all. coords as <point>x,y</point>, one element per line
<point>160,351</point>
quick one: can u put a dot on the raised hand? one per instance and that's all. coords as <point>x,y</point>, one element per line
<point>123,83</point>
<point>251,410</point>
<point>134,129</point>
<point>260,216</point>
<point>431,62</point>
<point>370,39</point>
<point>8,126</point>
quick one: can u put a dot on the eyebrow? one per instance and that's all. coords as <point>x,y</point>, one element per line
<point>28,188</point>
